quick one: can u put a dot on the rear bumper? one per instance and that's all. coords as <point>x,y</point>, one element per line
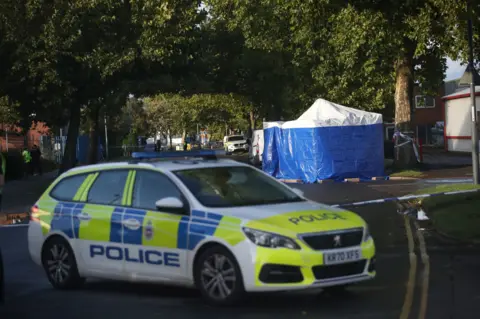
<point>35,241</point>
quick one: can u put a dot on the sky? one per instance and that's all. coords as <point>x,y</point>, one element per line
<point>454,70</point>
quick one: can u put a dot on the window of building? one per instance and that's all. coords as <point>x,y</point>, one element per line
<point>424,102</point>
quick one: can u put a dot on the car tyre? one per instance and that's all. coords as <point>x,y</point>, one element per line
<point>60,264</point>
<point>218,277</point>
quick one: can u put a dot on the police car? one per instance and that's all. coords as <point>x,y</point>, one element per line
<point>219,225</point>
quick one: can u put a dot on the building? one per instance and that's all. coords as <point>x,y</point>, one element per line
<point>458,119</point>
<point>12,137</point>
<point>428,117</point>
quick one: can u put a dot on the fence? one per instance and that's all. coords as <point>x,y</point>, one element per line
<point>53,147</point>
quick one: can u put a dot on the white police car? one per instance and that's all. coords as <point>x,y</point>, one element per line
<point>218,225</point>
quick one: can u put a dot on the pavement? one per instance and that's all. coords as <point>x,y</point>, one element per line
<point>419,276</point>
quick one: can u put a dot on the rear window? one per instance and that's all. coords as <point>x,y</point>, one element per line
<point>66,189</point>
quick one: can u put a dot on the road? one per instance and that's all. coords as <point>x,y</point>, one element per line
<point>416,274</point>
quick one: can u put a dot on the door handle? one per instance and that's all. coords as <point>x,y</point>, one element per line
<point>131,223</point>
<point>84,216</point>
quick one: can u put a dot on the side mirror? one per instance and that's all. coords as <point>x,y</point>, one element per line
<point>169,204</point>
<point>299,192</point>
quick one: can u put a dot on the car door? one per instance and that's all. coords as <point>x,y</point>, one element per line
<point>99,237</point>
<point>157,239</point>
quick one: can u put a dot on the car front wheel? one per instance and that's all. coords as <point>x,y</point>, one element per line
<point>60,265</point>
<point>218,277</point>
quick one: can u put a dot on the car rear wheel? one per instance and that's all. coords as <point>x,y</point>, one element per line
<point>218,277</point>
<point>60,265</point>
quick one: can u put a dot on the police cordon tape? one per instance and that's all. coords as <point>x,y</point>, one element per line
<point>404,198</point>
<point>17,222</point>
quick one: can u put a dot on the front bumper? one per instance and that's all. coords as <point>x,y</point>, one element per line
<point>232,149</point>
<point>285,269</point>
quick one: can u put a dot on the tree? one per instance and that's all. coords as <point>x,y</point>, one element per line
<point>268,79</point>
<point>174,114</point>
<point>71,55</point>
<point>359,63</point>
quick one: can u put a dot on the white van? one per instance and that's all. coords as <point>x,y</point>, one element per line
<point>256,149</point>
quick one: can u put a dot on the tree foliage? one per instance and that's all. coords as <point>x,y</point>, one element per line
<point>180,115</point>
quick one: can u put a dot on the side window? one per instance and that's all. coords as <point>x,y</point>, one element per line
<point>66,189</point>
<point>108,188</point>
<point>151,186</point>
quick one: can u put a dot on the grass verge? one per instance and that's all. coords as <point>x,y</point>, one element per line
<point>457,216</point>
<point>408,173</point>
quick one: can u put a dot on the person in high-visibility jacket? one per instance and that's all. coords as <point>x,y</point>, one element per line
<point>3,167</point>
<point>27,161</point>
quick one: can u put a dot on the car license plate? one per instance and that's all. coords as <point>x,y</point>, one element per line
<point>340,257</point>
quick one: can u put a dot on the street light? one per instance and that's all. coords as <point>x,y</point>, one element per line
<point>471,77</point>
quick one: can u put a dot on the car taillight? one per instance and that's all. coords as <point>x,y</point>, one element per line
<point>34,213</point>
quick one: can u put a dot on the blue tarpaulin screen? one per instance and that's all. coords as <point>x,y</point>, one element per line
<point>317,153</point>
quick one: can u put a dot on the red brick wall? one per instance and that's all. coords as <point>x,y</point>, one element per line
<point>16,140</point>
<point>431,115</point>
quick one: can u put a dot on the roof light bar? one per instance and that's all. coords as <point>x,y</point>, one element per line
<point>208,154</point>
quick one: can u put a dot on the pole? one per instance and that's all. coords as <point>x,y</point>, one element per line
<point>106,135</point>
<point>6,139</point>
<point>472,100</point>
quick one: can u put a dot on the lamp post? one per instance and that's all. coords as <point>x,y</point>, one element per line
<point>471,78</point>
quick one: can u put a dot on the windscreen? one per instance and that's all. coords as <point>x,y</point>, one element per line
<point>235,138</point>
<point>235,186</point>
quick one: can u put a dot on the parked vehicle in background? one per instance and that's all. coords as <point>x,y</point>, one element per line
<point>235,143</point>
<point>256,148</point>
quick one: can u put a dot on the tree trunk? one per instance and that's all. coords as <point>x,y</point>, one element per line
<point>403,108</point>
<point>251,126</point>
<point>93,136</point>
<point>170,147</point>
<point>70,154</point>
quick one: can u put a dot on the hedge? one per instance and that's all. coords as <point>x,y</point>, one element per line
<point>14,169</point>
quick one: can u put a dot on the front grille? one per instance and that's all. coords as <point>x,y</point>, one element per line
<point>280,274</point>
<point>336,240</point>
<point>340,270</point>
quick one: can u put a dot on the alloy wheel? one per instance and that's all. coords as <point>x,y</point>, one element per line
<point>218,276</point>
<point>58,263</point>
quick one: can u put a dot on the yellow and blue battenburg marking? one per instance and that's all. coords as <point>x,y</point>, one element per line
<point>202,224</point>
<point>65,216</point>
<point>180,232</point>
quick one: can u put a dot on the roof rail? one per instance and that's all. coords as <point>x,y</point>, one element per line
<point>205,154</point>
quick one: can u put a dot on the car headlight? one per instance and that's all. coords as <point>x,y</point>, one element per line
<point>270,240</point>
<point>366,233</point>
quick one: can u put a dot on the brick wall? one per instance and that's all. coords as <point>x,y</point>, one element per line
<point>16,140</point>
<point>429,116</point>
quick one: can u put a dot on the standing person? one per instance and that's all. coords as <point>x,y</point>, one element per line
<point>27,159</point>
<point>36,162</point>
<point>3,166</point>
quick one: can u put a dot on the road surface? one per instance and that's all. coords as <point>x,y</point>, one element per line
<point>418,277</point>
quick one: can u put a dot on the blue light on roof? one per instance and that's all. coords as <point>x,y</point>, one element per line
<point>177,154</point>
